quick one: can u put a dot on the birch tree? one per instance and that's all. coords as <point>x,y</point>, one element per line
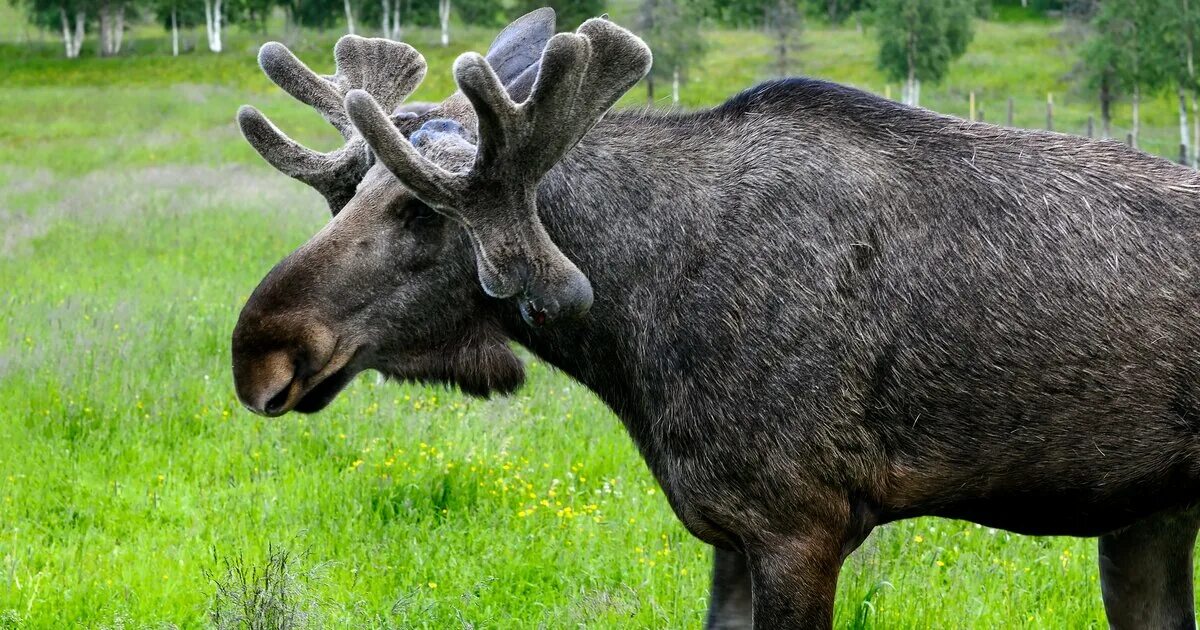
<point>349,10</point>
<point>919,39</point>
<point>175,15</point>
<point>785,21</point>
<point>1179,27</point>
<point>69,18</point>
<point>444,20</point>
<point>672,30</point>
<point>213,23</point>
<point>1124,55</point>
<point>72,34</point>
<point>111,14</point>
<point>390,17</point>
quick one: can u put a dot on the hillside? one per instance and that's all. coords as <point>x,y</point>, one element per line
<point>1018,58</point>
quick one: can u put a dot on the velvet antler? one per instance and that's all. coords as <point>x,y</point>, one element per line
<point>493,193</point>
<point>388,70</point>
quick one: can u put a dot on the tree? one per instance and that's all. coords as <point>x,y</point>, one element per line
<point>672,29</point>
<point>836,11</point>
<point>213,23</point>
<point>1123,55</point>
<point>479,12</point>
<point>785,21</point>
<point>571,13</point>
<point>70,17</point>
<point>177,14</point>
<point>444,20</point>
<point>111,14</point>
<point>1179,34</point>
<point>72,35</point>
<point>920,38</point>
<point>252,13</point>
<point>782,19</point>
<point>389,16</point>
<point>318,14</point>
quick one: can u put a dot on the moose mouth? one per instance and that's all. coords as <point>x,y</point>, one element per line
<point>323,393</point>
<point>314,392</point>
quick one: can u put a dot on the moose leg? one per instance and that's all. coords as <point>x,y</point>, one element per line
<point>794,582</point>
<point>729,603</point>
<point>1146,572</point>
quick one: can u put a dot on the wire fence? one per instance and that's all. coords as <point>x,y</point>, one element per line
<point>1048,113</point>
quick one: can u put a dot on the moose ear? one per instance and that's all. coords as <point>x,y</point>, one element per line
<point>519,46</point>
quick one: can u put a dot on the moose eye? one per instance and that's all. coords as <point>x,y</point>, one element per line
<point>418,212</point>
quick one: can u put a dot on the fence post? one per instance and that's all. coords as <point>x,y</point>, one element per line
<point>1129,140</point>
<point>1010,111</point>
<point>1049,111</point>
<point>1091,126</point>
<point>972,109</point>
<point>1183,154</point>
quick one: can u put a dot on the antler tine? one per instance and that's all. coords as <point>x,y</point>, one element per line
<point>306,86</point>
<point>433,184</point>
<point>495,112</point>
<point>619,61</point>
<point>553,113</point>
<point>391,70</point>
<point>581,76</point>
<point>326,172</point>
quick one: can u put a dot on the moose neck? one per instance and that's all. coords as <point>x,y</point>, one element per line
<point>635,234</point>
<point>713,245</point>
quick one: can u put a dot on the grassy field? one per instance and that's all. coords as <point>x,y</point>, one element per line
<point>135,492</point>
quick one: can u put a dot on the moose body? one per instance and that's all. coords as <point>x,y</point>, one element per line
<point>815,311</point>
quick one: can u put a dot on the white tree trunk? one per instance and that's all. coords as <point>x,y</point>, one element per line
<point>72,37</point>
<point>1195,134</point>
<point>391,18</point>
<point>212,24</point>
<point>444,17</point>
<point>62,14</point>
<point>118,34</point>
<point>675,86</point>
<point>1137,102</point>
<point>80,24</point>
<point>174,33</point>
<point>1184,136</point>
<point>349,16</point>
<point>105,46</point>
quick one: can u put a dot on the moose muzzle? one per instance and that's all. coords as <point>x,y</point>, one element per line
<point>279,367</point>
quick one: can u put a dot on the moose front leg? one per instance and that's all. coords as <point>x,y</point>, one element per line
<point>794,581</point>
<point>729,605</point>
<point>1146,572</point>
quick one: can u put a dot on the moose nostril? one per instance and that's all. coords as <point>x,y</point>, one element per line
<point>277,402</point>
<point>264,381</point>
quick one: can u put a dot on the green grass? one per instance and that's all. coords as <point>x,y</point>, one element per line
<point>135,492</point>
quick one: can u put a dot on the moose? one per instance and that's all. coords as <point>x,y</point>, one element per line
<point>815,310</point>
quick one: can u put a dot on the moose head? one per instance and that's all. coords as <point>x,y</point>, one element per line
<point>435,221</point>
